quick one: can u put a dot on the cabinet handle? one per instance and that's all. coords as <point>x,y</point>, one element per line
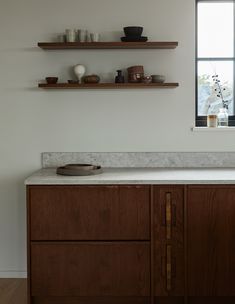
<point>168,268</point>
<point>168,216</point>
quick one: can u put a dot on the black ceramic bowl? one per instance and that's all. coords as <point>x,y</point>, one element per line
<point>133,31</point>
<point>51,80</point>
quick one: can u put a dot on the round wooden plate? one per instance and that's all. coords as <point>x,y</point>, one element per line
<point>80,167</point>
<point>79,170</point>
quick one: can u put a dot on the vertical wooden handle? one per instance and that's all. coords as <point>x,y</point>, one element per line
<point>168,268</point>
<point>168,216</point>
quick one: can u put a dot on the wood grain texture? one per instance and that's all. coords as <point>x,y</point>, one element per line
<point>107,45</point>
<point>90,212</point>
<point>91,300</point>
<point>176,242</point>
<point>116,86</point>
<point>211,300</point>
<point>13,291</point>
<point>169,300</point>
<point>211,241</point>
<point>90,269</point>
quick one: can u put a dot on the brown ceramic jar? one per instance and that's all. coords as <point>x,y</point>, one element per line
<point>135,77</point>
<point>137,69</point>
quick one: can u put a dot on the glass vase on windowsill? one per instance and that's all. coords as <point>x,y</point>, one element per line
<point>222,118</point>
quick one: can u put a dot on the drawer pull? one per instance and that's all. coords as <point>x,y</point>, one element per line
<point>168,268</point>
<point>168,216</point>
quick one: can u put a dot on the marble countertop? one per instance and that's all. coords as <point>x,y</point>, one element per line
<point>137,176</point>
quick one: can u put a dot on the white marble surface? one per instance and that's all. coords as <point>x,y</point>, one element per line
<point>137,176</point>
<point>141,159</point>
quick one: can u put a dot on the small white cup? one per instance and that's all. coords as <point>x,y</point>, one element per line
<point>95,37</point>
<point>70,35</point>
<point>61,38</point>
<point>82,35</point>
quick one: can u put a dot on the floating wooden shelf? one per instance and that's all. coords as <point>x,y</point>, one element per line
<point>109,86</point>
<point>107,45</point>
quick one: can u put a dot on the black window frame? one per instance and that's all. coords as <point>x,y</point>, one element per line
<point>201,121</point>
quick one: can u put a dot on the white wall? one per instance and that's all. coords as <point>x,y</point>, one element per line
<point>33,120</point>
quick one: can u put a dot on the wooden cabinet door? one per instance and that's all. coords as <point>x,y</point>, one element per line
<point>168,240</point>
<point>211,242</point>
<point>89,212</point>
<point>94,269</point>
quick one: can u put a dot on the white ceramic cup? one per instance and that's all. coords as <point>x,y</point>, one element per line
<point>61,38</point>
<point>71,35</point>
<point>95,37</point>
<point>82,35</point>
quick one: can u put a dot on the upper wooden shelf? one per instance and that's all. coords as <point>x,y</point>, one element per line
<point>106,45</point>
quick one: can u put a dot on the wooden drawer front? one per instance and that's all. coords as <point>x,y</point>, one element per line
<point>90,269</point>
<point>89,212</point>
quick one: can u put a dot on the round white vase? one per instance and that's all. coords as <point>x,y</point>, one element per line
<point>79,71</point>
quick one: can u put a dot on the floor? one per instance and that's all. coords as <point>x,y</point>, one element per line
<point>13,291</point>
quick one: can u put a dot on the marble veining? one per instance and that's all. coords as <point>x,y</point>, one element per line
<point>142,159</point>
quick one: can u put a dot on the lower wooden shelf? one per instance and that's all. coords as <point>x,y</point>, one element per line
<point>109,86</point>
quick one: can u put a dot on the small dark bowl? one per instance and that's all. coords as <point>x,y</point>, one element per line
<point>73,81</point>
<point>133,31</point>
<point>51,80</point>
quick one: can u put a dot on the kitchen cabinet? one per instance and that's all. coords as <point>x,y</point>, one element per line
<point>124,244</point>
<point>211,244</point>
<point>89,244</point>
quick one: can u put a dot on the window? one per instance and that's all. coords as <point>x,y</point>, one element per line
<point>215,55</point>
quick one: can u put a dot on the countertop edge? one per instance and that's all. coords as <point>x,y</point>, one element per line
<point>138,176</point>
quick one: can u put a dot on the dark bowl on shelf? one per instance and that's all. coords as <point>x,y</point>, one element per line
<point>133,31</point>
<point>73,81</point>
<point>51,80</point>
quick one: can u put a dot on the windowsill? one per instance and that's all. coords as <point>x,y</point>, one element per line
<point>206,129</point>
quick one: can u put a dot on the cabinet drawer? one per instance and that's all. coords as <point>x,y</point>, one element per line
<point>89,212</point>
<point>90,269</point>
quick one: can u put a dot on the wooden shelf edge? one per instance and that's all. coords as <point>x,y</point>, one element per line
<point>108,45</point>
<point>109,86</point>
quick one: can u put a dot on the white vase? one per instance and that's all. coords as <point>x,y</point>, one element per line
<point>79,71</point>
